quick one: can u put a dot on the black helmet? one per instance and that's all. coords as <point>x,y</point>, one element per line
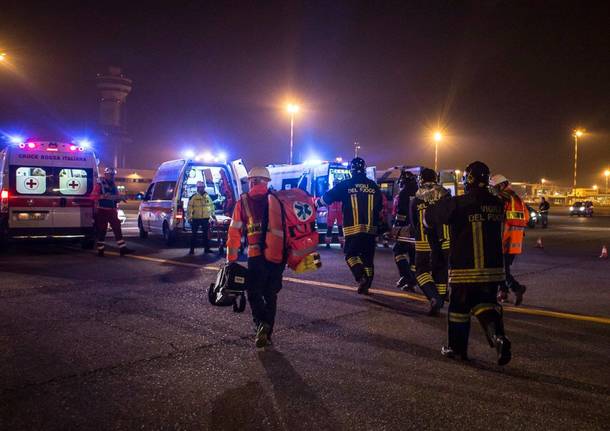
<point>358,166</point>
<point>476,174</point>
<point>427,175</point>
<point>405,178</point>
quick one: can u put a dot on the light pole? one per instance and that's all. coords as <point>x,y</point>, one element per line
<point>292,109</point>
<point>438,136</point>
<point>577,134</point>
<point>356,149</point>
<point>607,174</point>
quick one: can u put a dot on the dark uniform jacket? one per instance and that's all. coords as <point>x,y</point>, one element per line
<point>109,187</point>
<point>362,204</point>
<point>475,221</point>
<point>402,221</point>
<point>427,196</point>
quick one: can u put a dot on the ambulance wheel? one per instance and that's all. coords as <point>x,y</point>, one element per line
<point>143,233</point>
<point>240,304</point>
<point>168,235</point>
<point>211,295</point>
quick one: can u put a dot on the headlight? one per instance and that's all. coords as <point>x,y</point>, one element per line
<point>533,214</point>
<point>582,208</point>
<point>571,208</point>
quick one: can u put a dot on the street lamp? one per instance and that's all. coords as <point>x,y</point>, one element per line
<point>292,109</point>
<point>438,136</point>
<point>577,134</point>
<point>2,56</point>
<point>543,180</point>
<point>607,174</point>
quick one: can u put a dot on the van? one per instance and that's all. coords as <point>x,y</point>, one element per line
<point>163,207</point>
<point>47,191</point>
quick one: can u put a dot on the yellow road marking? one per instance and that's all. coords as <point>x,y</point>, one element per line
<point>519,310</point>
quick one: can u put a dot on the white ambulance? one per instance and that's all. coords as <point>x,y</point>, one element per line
<point>163,208</point>
<point>46,191</point>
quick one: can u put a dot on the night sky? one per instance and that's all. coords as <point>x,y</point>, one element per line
<point>508,81</point>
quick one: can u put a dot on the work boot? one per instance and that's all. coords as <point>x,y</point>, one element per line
<point>402,283</point>
<point>262,335</point>
<point>448,352</point>
<point>502,345</point>
<point>435,307</point>
<point>518,291</point>
<point>363,285</point>
<point>124,250</point>
<point>191,251</point>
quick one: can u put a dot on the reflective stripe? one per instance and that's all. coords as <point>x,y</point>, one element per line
<point>424,278</point>
<point>277,232</point>
<point>400,257</point>
<point>236,224</point>
<point>354,200</point>
<point>477,244</point>
<point>515,215</point>
<point>362,228</point>
<point>477,279</point>
<point>476,271</point>
<point>422,246</point>
<point>459,317</point>
<point>353,261</point>
<point>421,225</point>
<point>368,271</point>
<point>401,217</point>
<point>481,308</point>
<point>232,251</point>
<point>370,211</point>
<point>442,288</point>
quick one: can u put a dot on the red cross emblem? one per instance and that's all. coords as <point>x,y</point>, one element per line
<point>74,184</point>
<point>31,183</point>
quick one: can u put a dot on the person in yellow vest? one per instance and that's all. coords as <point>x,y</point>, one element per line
<point>200,210</point>
<point>516,218</point>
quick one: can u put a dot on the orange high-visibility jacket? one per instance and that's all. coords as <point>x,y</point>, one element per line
<point>517,218</point>
<point>248,215</point>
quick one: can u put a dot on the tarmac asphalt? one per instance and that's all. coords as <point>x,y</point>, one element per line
<point>132,343</point>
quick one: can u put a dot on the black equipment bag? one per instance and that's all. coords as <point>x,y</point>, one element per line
<point>230,287</point>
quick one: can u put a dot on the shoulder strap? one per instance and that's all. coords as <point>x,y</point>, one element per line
<point>266,225</point>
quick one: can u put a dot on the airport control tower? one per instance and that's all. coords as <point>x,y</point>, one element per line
<point>113,89</point>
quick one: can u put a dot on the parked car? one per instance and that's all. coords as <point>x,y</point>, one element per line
<point>584,208</point>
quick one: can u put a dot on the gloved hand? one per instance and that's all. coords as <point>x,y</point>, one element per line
<point>311,262</point>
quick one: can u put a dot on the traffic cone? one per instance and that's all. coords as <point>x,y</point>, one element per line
<point>539,242</point>
<point>604,254</point>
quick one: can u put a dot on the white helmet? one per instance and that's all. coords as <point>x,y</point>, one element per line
<point>497,179</point>
<point>111,171</point>
<point>258,172</point>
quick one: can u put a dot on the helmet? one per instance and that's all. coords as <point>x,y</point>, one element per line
<point>497,179</point>
<point>427,175</point>
<point>476,174</point>
<point>258,172</point>
<point>110,171</point>
<point>358,165</point>
<point>405,178</point>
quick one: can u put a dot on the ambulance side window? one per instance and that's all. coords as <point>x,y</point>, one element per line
<point>149,192</point>
<point>164,191</point>
<point>31,180</point>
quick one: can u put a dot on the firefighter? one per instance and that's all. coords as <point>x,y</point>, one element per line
<point>200,209</point>
<point>251,216</point>
<point>361,203</point>
<point>430,259</point>
<point>476,263</point>
<point>402,232</point>
<point>108,197</point>
<point>516,219</point>
<point>334,214</point>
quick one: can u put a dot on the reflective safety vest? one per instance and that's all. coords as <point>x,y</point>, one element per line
<point>516,220</point>
<point>247,215</point>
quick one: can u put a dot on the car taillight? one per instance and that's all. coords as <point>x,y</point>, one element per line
<point>180,213</point>
<point>4,200</point>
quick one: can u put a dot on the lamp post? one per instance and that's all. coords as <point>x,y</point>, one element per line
<point>292,109</point>
<point>607,174</point>
<point>577,134</point>
<point>356,149</point>
<point>438,136</point>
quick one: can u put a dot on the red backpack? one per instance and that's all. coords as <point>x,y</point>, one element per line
<point>298,214</point>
